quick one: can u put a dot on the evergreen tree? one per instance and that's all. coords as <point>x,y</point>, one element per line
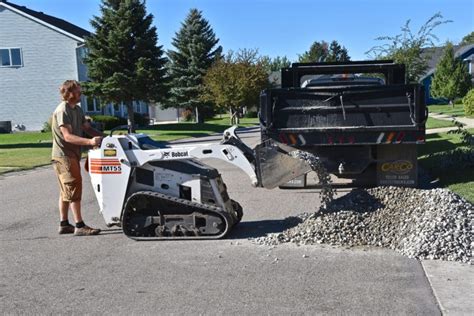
<point>124,62</point>
<point>275,64</point>
<point>468,39</point>
<point>323,52</point>
<point>337,53</point>
<point>195,52</point>
<point>451,78</point>
<point>318,52</point>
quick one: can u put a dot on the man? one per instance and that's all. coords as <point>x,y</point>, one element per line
<point>68,123</point>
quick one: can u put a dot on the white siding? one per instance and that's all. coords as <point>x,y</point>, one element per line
<point>29,94</point>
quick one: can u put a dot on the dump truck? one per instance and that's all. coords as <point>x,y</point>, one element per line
<point>361,118</point>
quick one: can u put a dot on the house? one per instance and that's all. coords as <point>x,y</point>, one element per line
<point>464,53</point>
<point>38,52</point>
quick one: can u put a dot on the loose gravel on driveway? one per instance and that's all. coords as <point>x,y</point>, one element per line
<point>425,224</point>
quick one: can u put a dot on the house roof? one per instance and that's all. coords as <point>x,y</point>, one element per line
<point>435,53</point>
<point>61,25</point>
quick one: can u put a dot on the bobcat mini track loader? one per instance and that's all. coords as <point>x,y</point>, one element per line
<point>155,191</point>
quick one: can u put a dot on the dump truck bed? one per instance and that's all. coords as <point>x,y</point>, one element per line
<point>361,127</point>
<point>344,115</point>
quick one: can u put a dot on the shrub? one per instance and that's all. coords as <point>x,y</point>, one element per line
<point>109,121</point>
<point>47,125</point>
<point>141,119</point>
<point>187,115</point>
<point>251,114</point>
<point>458,101</point>
<point>468,102</point>
<point>207,111</point>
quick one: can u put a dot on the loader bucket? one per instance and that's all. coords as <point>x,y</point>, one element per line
<point>274,166</point>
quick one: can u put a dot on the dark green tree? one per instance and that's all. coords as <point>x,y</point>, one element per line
<point>468,39</point>
<point>275,64</point>
<point>324,52</point>
<point>124,62</point>
<point>409,48</point>
<point>195,53</point>
<point>318,52</point>
<point>337,53</point>
<point>451,79</point>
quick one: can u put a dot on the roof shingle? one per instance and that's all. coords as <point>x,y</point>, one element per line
<point>59,23</point>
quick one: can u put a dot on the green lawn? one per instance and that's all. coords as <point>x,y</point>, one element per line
<point>457,110</point>
<point>446,159</point>
<point>26,150</point>
<point>244,122</point>
<point>168,132</point>
<point>436,123</point>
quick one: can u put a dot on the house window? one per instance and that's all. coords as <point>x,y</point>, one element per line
<point>93,105</point>
<point>83,52</point>
<point>10,57</point>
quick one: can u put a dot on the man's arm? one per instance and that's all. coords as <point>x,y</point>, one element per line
<point>69,137</point>
<point>86,127</point>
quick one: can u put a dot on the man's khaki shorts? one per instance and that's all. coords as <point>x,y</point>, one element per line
<point>68,171</point>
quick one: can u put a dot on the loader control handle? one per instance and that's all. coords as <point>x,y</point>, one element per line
<point>120,127</point>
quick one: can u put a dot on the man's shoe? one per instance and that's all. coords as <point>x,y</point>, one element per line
<point>86,231</point>
<point>68,229</point>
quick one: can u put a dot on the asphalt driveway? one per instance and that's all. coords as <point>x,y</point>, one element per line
<point>42,272</point>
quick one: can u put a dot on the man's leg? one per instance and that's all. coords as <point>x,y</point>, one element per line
<point>64,226</point>
<point>63,209</point>
<point>76,211</point>
<point>81,228</point>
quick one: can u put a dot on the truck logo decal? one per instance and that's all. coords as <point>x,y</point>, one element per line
<point>397,167</point>
<point>105,166</point>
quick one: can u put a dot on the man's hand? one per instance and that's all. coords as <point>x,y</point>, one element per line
<point>95,141</point>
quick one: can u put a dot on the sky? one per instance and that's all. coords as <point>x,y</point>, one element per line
<point>287,27</point>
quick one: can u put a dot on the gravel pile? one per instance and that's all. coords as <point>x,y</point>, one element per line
<point>425,224</point>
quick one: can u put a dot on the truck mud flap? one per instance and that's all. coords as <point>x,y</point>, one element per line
<point>397,165</point>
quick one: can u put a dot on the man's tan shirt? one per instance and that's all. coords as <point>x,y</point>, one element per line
<point>65,115</point>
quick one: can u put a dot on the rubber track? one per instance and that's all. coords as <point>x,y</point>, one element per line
<point>197,207</point>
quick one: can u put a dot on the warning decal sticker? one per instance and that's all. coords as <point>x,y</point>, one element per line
<point>105,166</point>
